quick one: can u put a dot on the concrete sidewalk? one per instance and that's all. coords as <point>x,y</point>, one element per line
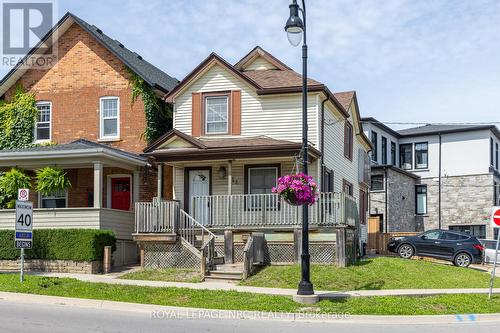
<point>113,279</point>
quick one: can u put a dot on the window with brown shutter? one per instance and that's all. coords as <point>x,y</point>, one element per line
<point>196,120</point>
<point>236,112</point>
<point>217,113</point>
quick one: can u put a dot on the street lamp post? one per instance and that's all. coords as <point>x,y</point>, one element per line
<point>295,27</point>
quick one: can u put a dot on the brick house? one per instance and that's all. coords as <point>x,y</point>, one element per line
<point>85,109</point>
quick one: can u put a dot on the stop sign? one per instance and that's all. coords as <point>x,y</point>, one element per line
<point>495,217</point>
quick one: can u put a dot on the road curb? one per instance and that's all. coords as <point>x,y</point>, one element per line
<point>159,312</point>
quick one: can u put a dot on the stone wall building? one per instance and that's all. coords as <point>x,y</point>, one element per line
<point>392,199</point>
<point>458,167</point>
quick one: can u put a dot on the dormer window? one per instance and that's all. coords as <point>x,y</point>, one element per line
<point>43,122</point>
<point>217,114</point>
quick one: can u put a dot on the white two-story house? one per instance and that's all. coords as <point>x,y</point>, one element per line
<point>457,166</point>
<point>238,128</point>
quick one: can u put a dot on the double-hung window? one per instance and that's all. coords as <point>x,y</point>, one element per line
<point>421,198</point>
<point>393,153</point>
<point>375,146</point>
<point>43,123</point>
<point>384,150</point>
<point>406,156</point>
<point>54,200</point>
<point>217,115</point>
<point>421,155</point>
<point>110,118</point>
<point>261,180</point>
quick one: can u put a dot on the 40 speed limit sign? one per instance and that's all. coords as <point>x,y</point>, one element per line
<point>24,225</point>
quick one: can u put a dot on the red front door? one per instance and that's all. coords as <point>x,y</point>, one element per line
<point>120,193</point>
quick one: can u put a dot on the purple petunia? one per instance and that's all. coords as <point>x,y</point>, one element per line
<point>299,189</point>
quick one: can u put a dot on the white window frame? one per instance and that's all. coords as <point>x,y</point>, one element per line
<point>36,140</point>
<point>65,199</point>
<point>206,114</point>
<point>102,137</point>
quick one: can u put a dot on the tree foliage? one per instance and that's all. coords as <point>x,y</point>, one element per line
<point>17,120</point>
<point>158,115</point>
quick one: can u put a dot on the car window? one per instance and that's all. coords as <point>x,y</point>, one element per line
<point>450,236</point>
<point>432,235</point>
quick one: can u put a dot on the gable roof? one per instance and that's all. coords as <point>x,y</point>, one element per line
<point>260,52</point>
<point>345,98</point>
<point>279,81</point>
<point>148,72</point>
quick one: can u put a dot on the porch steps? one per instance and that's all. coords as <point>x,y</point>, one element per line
<point>231,273</point>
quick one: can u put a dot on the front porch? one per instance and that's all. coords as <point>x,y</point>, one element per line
<point>105,184</point>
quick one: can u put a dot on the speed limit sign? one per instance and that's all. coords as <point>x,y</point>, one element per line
<point>24,215</point>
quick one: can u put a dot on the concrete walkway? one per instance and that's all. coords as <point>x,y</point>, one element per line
<point>113,279</point>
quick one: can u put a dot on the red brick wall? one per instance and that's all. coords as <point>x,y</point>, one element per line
<point>85,72</point>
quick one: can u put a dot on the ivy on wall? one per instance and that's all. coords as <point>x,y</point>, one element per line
<point>158,114</point>
<point>17,120</point>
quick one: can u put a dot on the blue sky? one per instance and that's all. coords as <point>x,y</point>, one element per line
<point>408,60</point>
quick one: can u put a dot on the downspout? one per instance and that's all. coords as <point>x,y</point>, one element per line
<point>322,141</point>
<point>439,187</point>
<point>386,200</point>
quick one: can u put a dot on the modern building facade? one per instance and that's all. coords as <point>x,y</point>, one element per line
<point>458,166</point>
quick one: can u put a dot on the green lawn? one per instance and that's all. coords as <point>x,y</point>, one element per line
<point>447,304</point>
<point>374,274</point>
<point>173,274</point>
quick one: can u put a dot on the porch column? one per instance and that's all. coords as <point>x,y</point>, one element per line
<point>136,187</point>
<point>229,177</point>
<point>159,188</point>
<point>98,173</point>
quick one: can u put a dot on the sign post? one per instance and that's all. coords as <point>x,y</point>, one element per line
<point>23,225</point>
<point>495,223</point>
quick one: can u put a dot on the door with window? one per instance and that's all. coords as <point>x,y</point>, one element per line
<point>120,193</point>
<point>199,185</point>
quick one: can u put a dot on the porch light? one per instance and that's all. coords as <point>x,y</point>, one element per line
<point>222,172</point>
<point>294,26</point>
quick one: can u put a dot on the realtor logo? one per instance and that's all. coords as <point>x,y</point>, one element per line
<point>24,25</point>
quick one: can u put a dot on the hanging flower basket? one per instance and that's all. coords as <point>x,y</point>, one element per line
<point>297,190</point>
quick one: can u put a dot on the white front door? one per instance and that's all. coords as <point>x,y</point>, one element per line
<point>199,185</point>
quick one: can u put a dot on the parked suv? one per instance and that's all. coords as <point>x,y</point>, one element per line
<point>460,248</point>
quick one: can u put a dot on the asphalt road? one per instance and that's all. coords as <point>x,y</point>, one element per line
<point>22,317</point>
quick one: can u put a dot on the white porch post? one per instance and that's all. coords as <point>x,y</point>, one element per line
<point>135,180</point>
<point>230,177</point>
<point>98,173</point>
<point>159,188</point>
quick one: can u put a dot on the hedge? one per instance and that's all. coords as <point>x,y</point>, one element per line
<point>60,244</point>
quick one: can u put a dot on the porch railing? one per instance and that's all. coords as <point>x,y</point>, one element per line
<point>156,216</point>
<point>271,210</point>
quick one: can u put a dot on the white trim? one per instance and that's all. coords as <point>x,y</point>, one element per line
<point>206,114</point>
<point>108,188</point>
<point>40,200</point>
<point>50,123</point>
<point>101,119</point>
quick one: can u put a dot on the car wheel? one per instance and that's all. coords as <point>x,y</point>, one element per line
<point>462,260</point>
<point>406,251</point>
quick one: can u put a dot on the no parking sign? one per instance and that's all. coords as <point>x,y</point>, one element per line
<point>23,194</point>
<point>495,223</point>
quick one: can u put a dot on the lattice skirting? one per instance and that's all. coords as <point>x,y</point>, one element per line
<point>157,255</point>
<point>284,252</point>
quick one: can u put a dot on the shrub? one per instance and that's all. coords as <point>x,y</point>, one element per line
<point>10,182</point>
<point>51,179</point>
<point>60,244</point>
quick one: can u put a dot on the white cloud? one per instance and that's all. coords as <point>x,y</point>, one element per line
<point>408,59</point>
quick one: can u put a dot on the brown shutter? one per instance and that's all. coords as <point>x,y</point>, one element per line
<point>196,115</point>
<point>236,112</point>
